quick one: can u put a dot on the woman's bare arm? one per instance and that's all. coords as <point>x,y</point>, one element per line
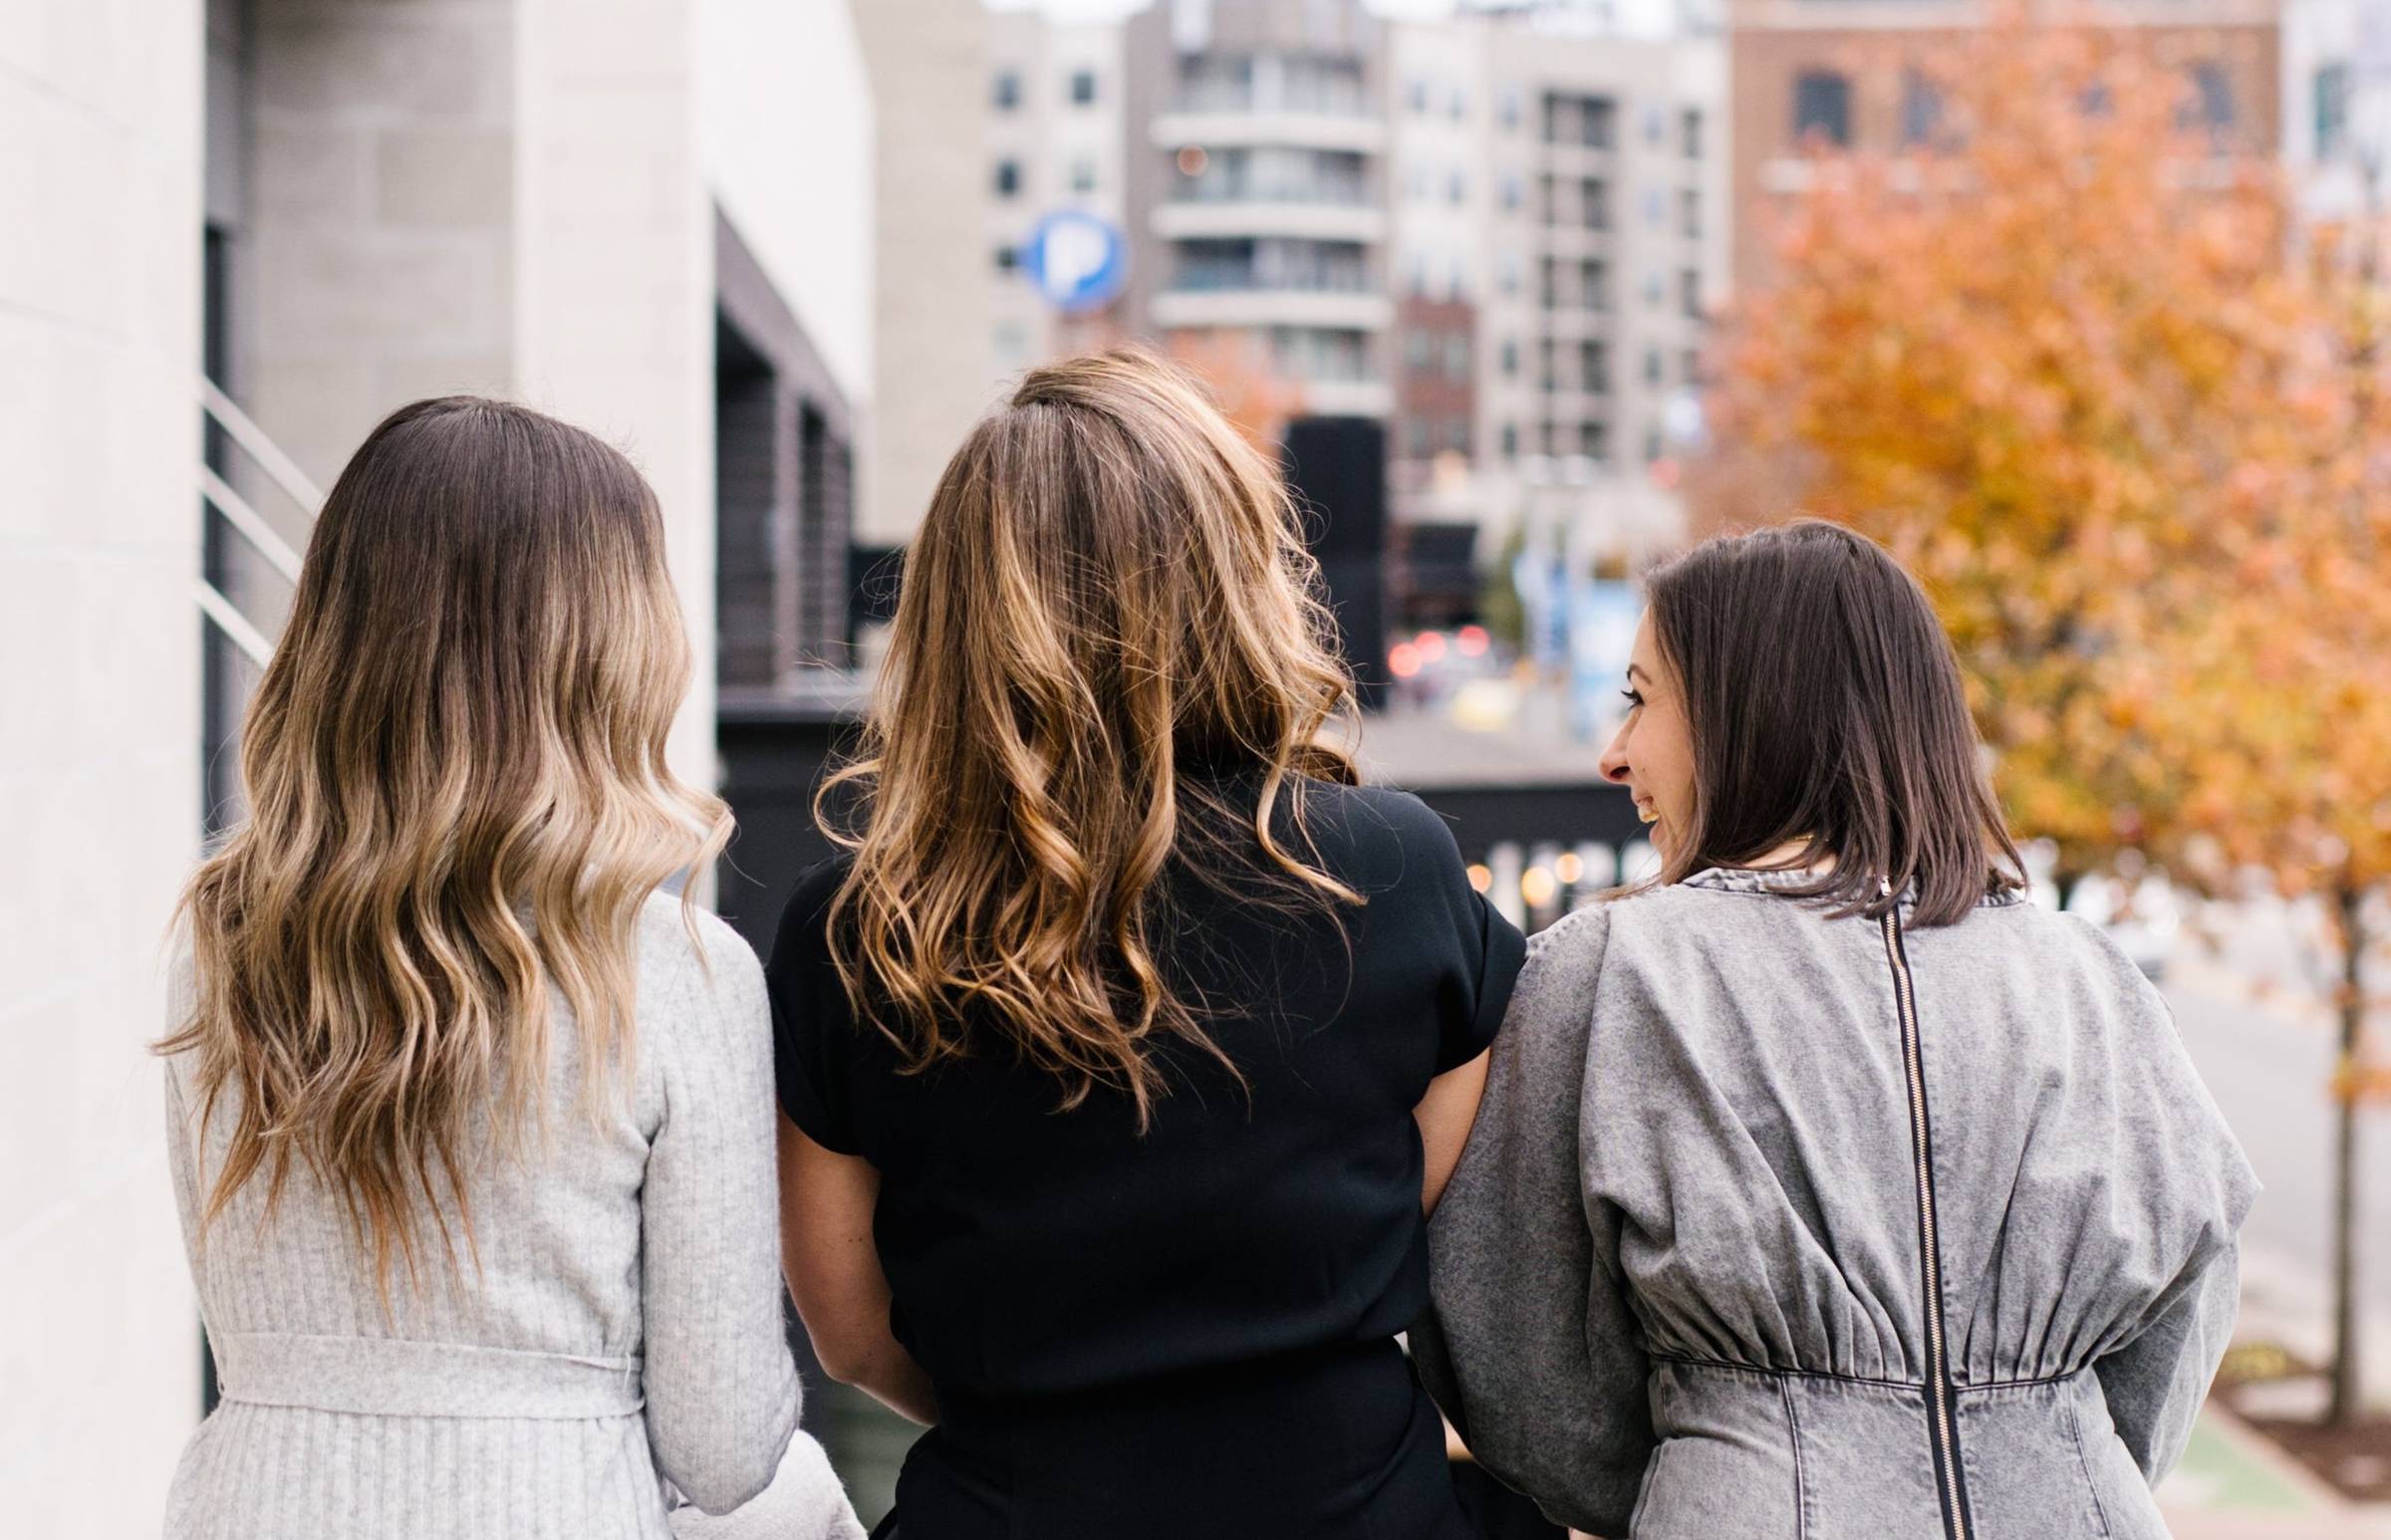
<point>1445,1115</point>
<point>833,1271</point>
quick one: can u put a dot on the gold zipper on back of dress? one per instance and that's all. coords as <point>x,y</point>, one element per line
<point>1938,1377</point>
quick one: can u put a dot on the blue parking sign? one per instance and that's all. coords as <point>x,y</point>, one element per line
<point>1079,261</point>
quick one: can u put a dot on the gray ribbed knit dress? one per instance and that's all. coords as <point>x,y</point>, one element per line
<point>623,1323</point>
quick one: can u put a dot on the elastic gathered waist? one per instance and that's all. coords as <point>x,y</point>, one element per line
<point>397,1376</point>
<point>1812,1455</point>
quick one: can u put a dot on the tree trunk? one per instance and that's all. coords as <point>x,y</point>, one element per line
<point>2347,1401</point>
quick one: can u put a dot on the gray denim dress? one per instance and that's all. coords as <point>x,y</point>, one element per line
<point>1780,1225</point>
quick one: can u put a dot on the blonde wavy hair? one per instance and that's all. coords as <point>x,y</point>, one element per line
<point>457,801</point>
<point>1109,588</point>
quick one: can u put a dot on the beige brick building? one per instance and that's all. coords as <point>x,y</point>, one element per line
<point>329,208</point>
<point>1847,72</point>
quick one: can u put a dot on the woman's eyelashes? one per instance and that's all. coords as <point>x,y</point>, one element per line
<point>1635,697</point>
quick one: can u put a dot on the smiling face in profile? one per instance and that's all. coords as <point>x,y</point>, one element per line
<point>1652,754</point>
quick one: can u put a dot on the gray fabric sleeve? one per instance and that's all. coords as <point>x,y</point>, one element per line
<point>182,1134</point>
<point>722,1390</point>
<point>2156,1382</point>
<point>1532,1348</point>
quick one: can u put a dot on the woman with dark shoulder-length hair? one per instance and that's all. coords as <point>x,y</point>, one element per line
<point>471,1124</point>
<point>1126,1047</point>
<point>1825,1186</point>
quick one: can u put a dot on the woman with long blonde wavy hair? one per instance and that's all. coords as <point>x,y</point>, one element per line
<point>471,1124</point>
<point>1123,1049</point>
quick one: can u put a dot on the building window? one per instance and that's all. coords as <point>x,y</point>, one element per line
<point>1416,437</point>
<point>1548,201</point>
<point>1656,208</point>
<point>1594,203</point>
<point>1508,110</point>
<point>1690,367</point>
<point>1548,437</point>
<point>1652,446</point>
<point>1513,269</point>
<point>1688,213</point>
<point>1510,357</point>
<point>1417,346</point>
<point>1656,289</point>
<point>1594,439</point>
<point>1595,125</point>
<point>1594,368</point>
<point>1008,90</point>
<point>1008,178</point>
<point>2211,107</point>
<point>1457,436</point>
<point>1689,131</point>
<point>1456,188</point>
<point>1457,358</point>
<point>1007,259</point>
<point>1548,283</point>
<point>2331,89</point>
<point>1510,440</point>
<point>1082,88</point>
<point>1656,125</point>
<point>1419,182</point>
<point>1688,293</point>
<point>1921,110</point>
<point>1547,377</point>
<point>1459,107</point>
<point>1822,106</point>
<point>1082,174</point>
<point>1594,284</point>
<point>1514,189</point>
<point>1652,365</point>
<point>1415,95</point>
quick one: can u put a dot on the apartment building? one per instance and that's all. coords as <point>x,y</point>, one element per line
<point>1255,191</point>
<point>2336,105</point>
<point>1559,191</point>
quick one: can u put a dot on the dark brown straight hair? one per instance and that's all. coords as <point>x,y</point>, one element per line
<point>1825,706</point>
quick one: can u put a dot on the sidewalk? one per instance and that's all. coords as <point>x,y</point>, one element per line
<point>2234,1485</point>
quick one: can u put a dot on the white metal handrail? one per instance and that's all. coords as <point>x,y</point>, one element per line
<point>234,625</point>
<point>254,529</point>
<point>285,471</point>
<point>269,543</point>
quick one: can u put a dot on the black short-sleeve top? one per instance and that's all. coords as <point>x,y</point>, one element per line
<point>1034,1252</point>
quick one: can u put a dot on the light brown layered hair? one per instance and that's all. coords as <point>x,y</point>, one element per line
<point>457,801</point>
<point>1110,590</point>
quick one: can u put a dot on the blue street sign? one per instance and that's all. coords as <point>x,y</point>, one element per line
<point>1078,261</point>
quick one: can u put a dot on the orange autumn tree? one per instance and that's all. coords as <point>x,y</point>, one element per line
<point>2284,687</point>
<point>2013,353</point>
<point>2071,362</point>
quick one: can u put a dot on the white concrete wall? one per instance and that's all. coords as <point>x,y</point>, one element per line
<point>100,157</point>
<point>614,294</point>
<point>785,128</point>
<point>381,261</point>
<point>933,357</point>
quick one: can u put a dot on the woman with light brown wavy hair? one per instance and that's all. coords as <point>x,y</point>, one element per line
<point>470,1125</point>
<point>1123,1051</point>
